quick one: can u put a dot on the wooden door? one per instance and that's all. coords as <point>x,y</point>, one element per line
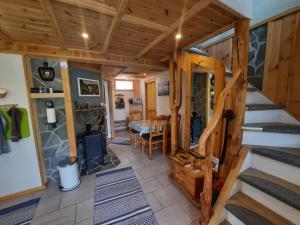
<point>150,97</point>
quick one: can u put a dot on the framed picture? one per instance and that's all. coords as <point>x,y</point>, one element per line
<point>88,87</point>
<point>119,101</point>
<point>163,88</point>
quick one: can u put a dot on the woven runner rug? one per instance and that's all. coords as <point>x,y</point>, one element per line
<point>119,199</point>
<point>21,213</point>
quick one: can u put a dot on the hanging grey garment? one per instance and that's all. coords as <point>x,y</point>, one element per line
<point>15,115</point>
<point>3,143</point>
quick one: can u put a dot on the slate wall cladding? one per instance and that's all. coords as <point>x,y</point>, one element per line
<point>199,91</point>
<point>86,117</point>
<point>258,38</point>
<point>55,145</point>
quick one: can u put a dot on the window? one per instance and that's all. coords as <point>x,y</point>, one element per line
<point>124,85</point>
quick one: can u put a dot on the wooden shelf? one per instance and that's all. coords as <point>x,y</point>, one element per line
<point>47,95</point>
<point>90,109</point>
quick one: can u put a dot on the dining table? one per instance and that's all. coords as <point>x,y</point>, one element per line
<point>141,126</point>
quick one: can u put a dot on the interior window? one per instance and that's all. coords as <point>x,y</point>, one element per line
<point>124,85</point>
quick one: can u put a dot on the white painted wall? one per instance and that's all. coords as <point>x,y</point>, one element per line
<point>122,114</point>
<point>162,102</point>
<point>260,10</point>
<point>244,7</point>
<point>19,169</point>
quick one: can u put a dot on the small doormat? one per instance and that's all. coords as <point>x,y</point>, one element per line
<point>21,213</point>
<point>119,199</point>
<point>121,141</point>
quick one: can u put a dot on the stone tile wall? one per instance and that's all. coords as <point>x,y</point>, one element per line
<point>258,38</point>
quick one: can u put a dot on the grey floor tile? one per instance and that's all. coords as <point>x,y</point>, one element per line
<point>48,205</point>
<point>89,221</point>
<point>172,215</point>
<point>65,216</point>
<point>154,203</point>
<point>85,210</point>
<point>77,195</point>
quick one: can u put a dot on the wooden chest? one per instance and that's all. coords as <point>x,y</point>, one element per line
<point>189,180</point>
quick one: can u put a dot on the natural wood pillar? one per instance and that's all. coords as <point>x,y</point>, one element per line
<point>65,77</point>
<point>237,99</point>
<point>175,99</point>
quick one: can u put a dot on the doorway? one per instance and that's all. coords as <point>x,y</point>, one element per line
<point>150,93</point>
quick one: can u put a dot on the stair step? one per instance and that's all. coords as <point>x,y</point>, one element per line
<point>225,222</point>
<point>282,190</point>
<point>273,127</point>
<point>251,212</point>
<point>259,107</point>
<point>251,89</point>
<point>289,156</point>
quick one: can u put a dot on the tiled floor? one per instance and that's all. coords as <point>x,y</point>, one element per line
<point>170,205</point>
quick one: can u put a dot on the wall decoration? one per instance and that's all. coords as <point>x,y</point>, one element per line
<point>46,73</point>
<point>88,87</point>
<point>119,101</point>
<point>163,88</point>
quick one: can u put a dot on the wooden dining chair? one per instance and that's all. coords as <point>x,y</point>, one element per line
<point>135,137</point>
<point>151,114</point>
<point>157,135</point>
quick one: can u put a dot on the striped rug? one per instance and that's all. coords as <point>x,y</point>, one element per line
<point>20,214</point>
<point>120,200</point>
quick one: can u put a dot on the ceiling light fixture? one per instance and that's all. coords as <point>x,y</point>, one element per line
<point>145,74</point>
<point>178,36</point>
<point>85,35</point>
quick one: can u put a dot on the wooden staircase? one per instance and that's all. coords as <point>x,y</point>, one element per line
<point>267,189</point>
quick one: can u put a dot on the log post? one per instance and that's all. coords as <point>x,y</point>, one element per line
<point>237,99</point>
<point>175,99</point>
<point>234,100</point>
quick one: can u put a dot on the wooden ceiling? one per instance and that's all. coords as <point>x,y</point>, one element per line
<point>135,28</point>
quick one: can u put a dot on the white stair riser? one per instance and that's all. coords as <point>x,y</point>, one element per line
<point>266,116</point>
<point>271,139</point>
<point>276,168</point>
<point>262,116</point>
<point>256,98</point>
<point>272,203</point>
<point>233,220</point>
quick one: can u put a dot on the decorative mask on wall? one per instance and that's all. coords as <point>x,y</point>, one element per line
<point>46,73</point>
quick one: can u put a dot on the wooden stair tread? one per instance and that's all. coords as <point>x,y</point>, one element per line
<point>261,107</point>
<point>282,190</point>
<point>289,156</point>
<point>273,127</point>
<point>225,222</point>
<point>251,212</point>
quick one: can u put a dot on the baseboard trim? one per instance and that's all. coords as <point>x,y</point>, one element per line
<point>21,193</point>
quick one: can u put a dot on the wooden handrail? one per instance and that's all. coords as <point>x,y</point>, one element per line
<point>206,146</point>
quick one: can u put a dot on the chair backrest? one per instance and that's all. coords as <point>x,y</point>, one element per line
<point>135,115</point>
<point>158,126</point>
<point>151,114</point>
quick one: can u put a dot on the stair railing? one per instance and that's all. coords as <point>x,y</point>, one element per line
<point>208,139</point>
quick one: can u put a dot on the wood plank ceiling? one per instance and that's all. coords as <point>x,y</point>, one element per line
<point>140,29</point>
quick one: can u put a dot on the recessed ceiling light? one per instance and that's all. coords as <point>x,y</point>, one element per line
<point>145,74</point>
<point>85,35</point>
<point>178,36</point>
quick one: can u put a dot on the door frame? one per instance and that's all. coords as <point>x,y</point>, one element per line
<point>147,81</point>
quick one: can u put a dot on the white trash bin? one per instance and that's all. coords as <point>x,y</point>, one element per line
<point>68,173</point>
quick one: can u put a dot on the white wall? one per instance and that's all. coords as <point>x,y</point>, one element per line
<point>19,169</point>
<point>122,114</point>
<point>163,102</point>
<point>244,7</point>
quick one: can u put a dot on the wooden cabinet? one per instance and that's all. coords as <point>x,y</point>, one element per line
<point>189,180</point>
